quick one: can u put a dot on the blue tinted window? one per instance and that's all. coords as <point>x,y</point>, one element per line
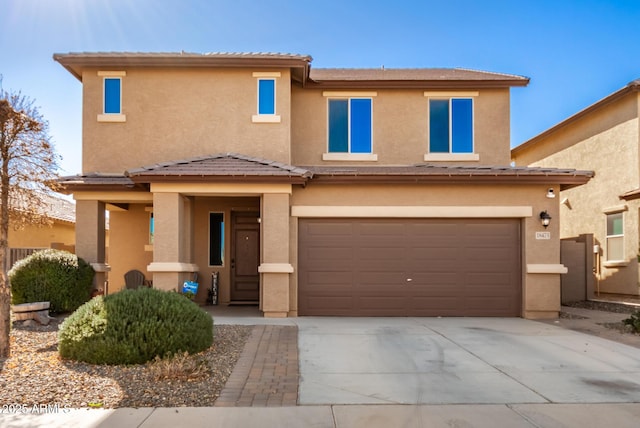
<point>360,125</point>
<point>112,95</point>
<point>451,125</point>
<point>266,96</point>
<point>338,126</point>
<point>439,126</point>
<point>461,125</point>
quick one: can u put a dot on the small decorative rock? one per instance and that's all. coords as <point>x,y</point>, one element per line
<point>38,311</point>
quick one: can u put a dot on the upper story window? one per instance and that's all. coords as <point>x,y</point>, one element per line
<point>112,96</point>
<point>615,236</point>
<point>350,128</point>
<point>450,127</point>
<point>266,97</point>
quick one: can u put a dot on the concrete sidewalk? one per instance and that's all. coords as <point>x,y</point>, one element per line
<point>371,416</point>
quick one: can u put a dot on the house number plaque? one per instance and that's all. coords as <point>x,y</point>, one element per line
<point>543,235</point>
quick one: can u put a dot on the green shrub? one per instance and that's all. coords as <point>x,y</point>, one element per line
<point>134,326</point>
<point>56,276</point>
<point>633,321</point>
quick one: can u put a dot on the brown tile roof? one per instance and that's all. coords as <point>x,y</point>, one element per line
<point>220,167</point>
<point>426,78</point>
<point>429,173</point>
<point>409,74</point>
<point>630,195</point>
<point>233,167</point>
<point>97,181</point>
<point>412,77</point>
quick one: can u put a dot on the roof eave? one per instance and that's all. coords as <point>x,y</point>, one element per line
<point>74,63</point>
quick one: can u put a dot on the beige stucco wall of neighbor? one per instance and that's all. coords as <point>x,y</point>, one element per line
<point>541,291</point>
<point>128,244</point>
<point>399,126</point>
<point>43,236</point>
<point>175,114</point>
<point>605,141</point>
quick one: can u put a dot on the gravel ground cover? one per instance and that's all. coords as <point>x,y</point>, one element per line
<point>35,374</point>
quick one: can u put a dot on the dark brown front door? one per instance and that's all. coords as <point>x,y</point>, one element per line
<point>409,267</point>
<point>245,257</point>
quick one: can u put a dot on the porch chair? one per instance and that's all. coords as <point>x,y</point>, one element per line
<point>134,279</point>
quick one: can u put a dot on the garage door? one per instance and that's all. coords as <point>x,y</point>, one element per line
<point>409,267</point>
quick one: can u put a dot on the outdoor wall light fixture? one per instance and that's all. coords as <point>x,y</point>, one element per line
<point>545,218</point>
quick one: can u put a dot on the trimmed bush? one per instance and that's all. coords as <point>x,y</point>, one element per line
<point>633,321</point>
<point>133,327</point>
<point>56,276</point>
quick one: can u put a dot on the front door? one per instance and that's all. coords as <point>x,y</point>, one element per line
<point>245,257</point>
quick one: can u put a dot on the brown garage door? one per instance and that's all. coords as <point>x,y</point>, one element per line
<point>409,267</point>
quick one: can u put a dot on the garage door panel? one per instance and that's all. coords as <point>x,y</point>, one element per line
<point>339,305</point>
<point>457,267</point>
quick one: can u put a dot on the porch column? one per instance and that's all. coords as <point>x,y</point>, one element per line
<point>90,238</point>
<point>172,241</point>
<point>275,267</point>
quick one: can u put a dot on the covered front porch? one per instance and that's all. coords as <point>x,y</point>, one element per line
<point>172,225</point>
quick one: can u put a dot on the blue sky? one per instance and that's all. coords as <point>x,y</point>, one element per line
<point>575,52</point>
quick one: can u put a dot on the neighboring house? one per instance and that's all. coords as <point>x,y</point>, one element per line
<point>59,234</point>
<point>314,191</point>
<point>605,138</point>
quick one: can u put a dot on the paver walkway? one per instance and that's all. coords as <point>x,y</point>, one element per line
<point>266,374</point>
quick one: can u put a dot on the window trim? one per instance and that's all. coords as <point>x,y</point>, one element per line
<point>222,243</point>
<point>111,117</point>
<point>349,155</point>
<point>266,117</point>
<point>450,155</point>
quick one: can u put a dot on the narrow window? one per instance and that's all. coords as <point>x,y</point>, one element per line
<point>451,125</point>
<point>266,96</point>
<point>615,236</point>
<point>216,239</point>
<point>112,95</point>
<point>350,125</point>
<point>152,228</point>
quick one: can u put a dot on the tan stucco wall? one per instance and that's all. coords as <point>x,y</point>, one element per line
<point>605,142</point>
<point>42,236</point>
<point>129,234</point>
<point>541,292</point>
<point>175,114</point>
<point>399,127</point>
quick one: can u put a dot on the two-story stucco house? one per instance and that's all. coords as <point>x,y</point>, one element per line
<point>605,138</point>
<point>315,191</point>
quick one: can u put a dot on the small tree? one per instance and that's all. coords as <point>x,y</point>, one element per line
<point>28,167</point>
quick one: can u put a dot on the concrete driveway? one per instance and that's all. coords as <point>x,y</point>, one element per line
<point>459,361</point>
